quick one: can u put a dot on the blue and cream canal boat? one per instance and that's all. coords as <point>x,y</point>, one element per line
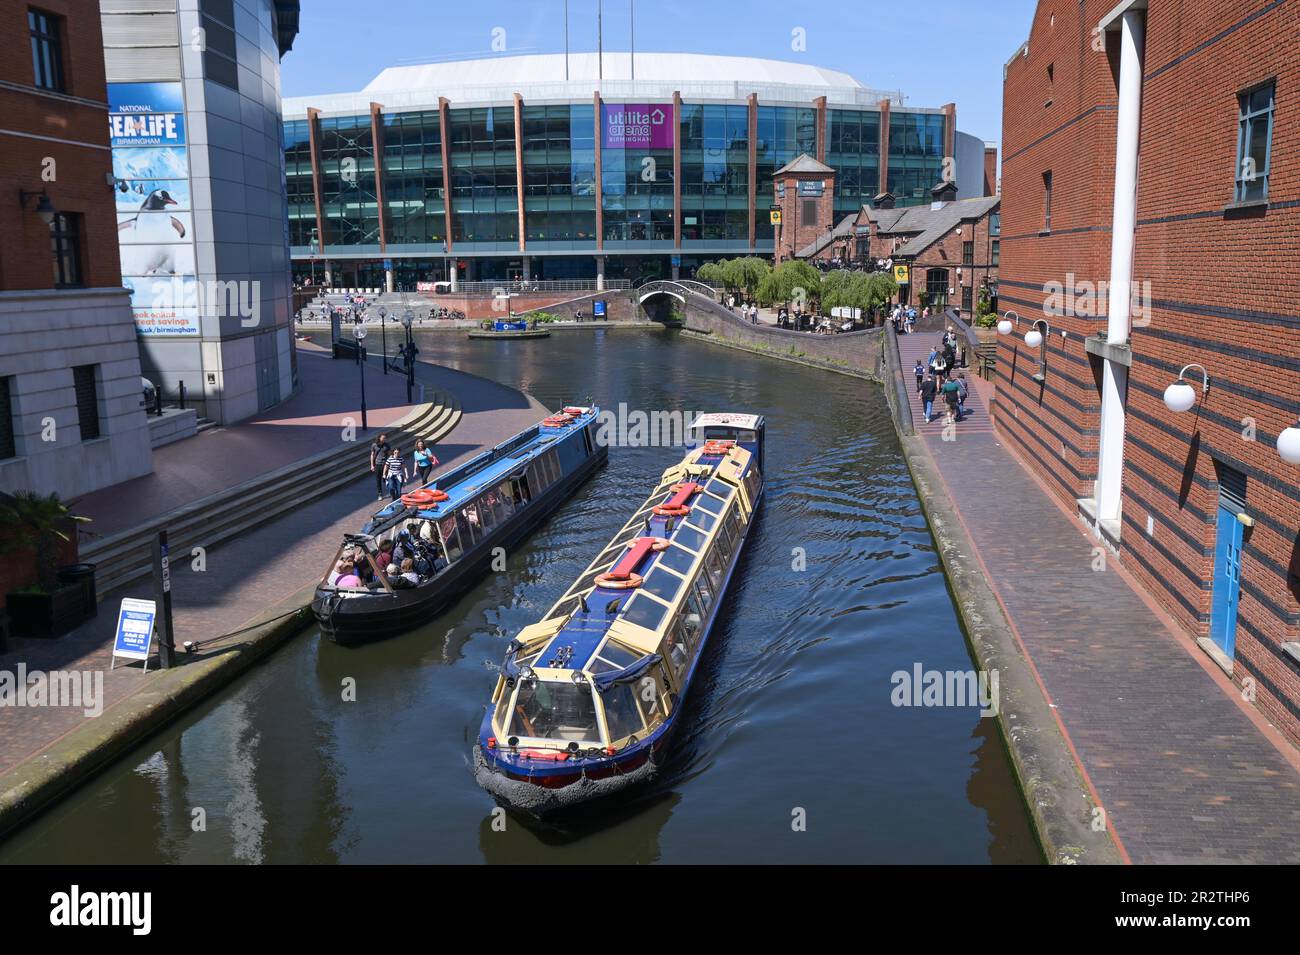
<point>588,698</point>
<point>451,528</point>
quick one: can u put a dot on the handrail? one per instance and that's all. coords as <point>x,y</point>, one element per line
<point>902,400</point>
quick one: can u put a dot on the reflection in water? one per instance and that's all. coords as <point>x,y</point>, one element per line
<point>789,717</point>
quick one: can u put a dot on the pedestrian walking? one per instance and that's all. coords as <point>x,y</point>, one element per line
<point>950,393</point>
<point>928,391</point>
<point>395,473</point>
<point>378,455</point>
<point>919,371</point>
<point>424,461</point>
<point>962,394</point>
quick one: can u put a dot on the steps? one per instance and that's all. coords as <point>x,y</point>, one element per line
<point>128,556</point>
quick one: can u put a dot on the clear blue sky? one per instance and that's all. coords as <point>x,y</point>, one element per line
<point>936,51</point>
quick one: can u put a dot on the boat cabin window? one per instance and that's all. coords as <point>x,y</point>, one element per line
<point>715,432</point>
<point>714,567</point>
<point>520,484</point>
<point>677,650</point>
<point>693,611</point>
<point>719,487</point>
<point>551,461</point>
<point>689,538</point>
<point>663,583</point>
<point>560,710</point>
<point>702,519</point>
<point>487,514</point>
<point>707,502</point>
<point>704,590</point>
<point>752,483</point>
<point>468,523</point>
<point>731,528</point>
<point>622,714</point>
<point>645,611</point>
<point>450,538</point>
<point>587,439</point>
<point>678,559</point>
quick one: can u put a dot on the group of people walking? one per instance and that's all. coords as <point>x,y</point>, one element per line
<point>940,377</point>
<point>389,467</point>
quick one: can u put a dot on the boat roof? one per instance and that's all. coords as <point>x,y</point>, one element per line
<point>571,639</point>
<point>727,419</point>
<point>466,481</point>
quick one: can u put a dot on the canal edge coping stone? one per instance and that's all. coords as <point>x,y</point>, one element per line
<point>1060,804</point>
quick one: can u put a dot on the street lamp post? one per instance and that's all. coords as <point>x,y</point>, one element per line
<point>407,319</point>
<point>359,331</point>
<point>383,334</point>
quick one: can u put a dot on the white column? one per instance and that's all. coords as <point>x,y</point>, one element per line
<point>600,273</point>
<point>388,280</point>
<point>1110,459</point>
<point>455,277</point>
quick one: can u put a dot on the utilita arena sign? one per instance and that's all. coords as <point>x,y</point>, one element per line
<point>638,126</point>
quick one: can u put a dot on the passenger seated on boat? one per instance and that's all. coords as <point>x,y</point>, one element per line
<point>336,573</point>
<point>348,577</point>
<point>395,578</point>
<point>404,548</point>
<point>676,654</point>
<point>408,572</point>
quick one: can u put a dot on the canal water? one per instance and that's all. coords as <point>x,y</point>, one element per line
<point>791,749</point>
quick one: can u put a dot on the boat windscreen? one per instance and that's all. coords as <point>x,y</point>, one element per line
<point>715,432</point>
<point>559,710</point>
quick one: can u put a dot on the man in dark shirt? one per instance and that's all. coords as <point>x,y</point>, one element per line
<point>928,391</point>
<point>379,454</point>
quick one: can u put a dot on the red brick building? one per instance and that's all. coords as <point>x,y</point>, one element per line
<point>71,416</point>
<point>949,248</point>
<point>1151,220</point>
<point>804,195</point>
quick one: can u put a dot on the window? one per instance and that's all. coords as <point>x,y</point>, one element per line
<point>8,447</point>
<point>703,592</point>
<point>83,378</point>
<point>450,539</point>
<point>65,243</point>
<point>677,559</point>
<point>559,710</point>
<point>621,713</point>
<point>644,611</point>
<point>713,566</point>
<point>808,212</point>
<point>966,295</point>
<point>47,49</point>
<point>1047,201</point>
<point>1254,143</point>
<point>678,650</point>
<point>468,523</point>
<point>689,538</point>
<point>487,513</point>
<point>995,252</point>
<point>968,253</point>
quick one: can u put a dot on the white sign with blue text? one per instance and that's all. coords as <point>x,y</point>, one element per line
<point>135,622</point>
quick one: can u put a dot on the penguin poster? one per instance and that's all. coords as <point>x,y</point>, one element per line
<point>155,219</point>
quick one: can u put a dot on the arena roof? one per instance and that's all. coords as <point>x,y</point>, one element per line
<point>541,77</point>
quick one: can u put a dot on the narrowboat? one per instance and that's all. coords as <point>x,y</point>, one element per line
<point>587,699</point>
<point>452,527</point>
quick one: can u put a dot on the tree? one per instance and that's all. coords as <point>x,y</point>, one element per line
<point>792,281</point>
<point>32,523</point>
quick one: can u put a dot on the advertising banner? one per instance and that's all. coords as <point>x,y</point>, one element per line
<point>637,125</point>
<point>135,624</point>
<point>155,219</point>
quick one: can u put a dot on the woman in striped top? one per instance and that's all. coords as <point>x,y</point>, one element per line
<point>395,473</point>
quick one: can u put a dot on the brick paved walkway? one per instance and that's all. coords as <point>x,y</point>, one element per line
<point>1184,773</point>
<point>222,457</point>
<point>244,576</point>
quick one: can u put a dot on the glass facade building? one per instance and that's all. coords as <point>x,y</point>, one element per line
<point>630,182</point>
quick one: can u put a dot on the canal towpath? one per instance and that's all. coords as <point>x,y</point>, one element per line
<point>1166,757</point>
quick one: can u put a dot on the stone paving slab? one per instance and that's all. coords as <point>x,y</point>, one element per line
<point>1183,771</point>
<point>244,576</point>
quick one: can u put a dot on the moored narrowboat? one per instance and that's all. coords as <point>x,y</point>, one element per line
<point>588,698</point>
<point>451,528</point>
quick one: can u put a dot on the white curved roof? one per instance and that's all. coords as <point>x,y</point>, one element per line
<point>540,77</point>
<point>584,67</point>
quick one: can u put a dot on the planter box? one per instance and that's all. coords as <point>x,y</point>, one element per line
<point>48,615</point>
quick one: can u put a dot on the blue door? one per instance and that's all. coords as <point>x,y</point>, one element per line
<point>1227,580</point>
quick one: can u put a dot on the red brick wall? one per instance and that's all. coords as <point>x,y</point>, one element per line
<point>1223,292</point>
<point>72,133</point>
<point>795,233</point>
<point>990,172</point>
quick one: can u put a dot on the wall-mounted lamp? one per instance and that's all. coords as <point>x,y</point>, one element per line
<point>1180,396</point>
<point>44,208</point>
<point>1006,325</point>
<point>1033,337</point>
<point>1288,444</point>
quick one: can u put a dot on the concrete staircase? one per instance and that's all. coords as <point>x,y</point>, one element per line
<point>127,556</point>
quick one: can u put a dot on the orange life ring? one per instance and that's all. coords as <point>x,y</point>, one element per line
<point>664,510</point>
<point>424,496</point>
<point>718,447</point>
<point>557,421</point>
<point>569,410</point>
<point>630,582</point>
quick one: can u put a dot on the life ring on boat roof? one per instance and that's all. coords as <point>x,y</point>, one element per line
<point>558,420</point>
<point>676,506</point>
<point>719,447</point>
<point>575,411</point>
<point>622,576</point>
<point>424,496</point>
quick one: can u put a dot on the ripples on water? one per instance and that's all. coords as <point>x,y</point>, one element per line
<point>790,712</point>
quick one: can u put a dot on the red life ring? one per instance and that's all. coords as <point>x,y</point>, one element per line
<point>569,410</point>
<point>424,496</point>
<point>557,421</point>
<point>718,447</point>
<point>630,582</point>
